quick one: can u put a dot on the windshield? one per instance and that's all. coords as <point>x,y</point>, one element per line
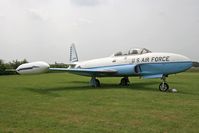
<point>132,52</point>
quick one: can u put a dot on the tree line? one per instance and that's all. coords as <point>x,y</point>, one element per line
<point>195,64</point>
<point>9,68</point>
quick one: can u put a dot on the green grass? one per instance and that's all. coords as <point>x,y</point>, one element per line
<point>61,102</point>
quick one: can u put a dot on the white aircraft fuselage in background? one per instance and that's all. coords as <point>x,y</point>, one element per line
<point>135,62</point>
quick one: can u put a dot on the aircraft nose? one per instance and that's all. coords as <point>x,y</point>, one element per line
<point>184,58</point>
<point>180,58</point>
<point>187,63</point>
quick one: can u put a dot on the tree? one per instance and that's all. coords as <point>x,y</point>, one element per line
<point>2,67</point>
<point>9,68</point>
<point>195,64</point>
<point>15,63</point>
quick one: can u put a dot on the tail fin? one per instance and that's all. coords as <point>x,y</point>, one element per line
<point>73,53</point>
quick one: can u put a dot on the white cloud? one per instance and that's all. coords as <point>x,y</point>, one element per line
<point>81,22</point>
<point>36,14</point>
<point>84,20</point>
<point>34,29</point>
<point>87,2</point>
<point>2,17</point>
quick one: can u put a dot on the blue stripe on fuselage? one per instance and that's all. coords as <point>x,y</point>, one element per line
<point>147,68</point>
<point>165,68</point>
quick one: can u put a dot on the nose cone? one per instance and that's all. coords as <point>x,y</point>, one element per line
<point>184,61</point>
<point>184,58</point>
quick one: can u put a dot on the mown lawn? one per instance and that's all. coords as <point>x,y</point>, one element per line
<point>61,102</point>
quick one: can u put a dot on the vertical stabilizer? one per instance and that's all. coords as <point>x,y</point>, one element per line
<point>73,53</point>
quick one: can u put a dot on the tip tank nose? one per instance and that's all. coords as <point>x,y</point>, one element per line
<point>33,68</point>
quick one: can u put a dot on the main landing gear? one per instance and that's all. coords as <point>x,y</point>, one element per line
<point>94,82</point>
<point>163,86</point>
<point>125,81</point>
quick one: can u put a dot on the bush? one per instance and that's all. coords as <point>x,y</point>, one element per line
<point>9,68</point>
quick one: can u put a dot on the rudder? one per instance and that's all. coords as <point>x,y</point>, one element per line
<point>73,53</point>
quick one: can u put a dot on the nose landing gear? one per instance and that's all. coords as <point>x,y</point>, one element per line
<point>163,86</point>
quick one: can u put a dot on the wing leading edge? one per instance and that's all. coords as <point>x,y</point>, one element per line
<point>87,72</point>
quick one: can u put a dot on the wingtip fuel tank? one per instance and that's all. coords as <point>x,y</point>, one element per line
<point>33,68</point>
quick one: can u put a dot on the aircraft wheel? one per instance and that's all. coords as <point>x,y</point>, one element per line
<point>97,83</point>
<point>163,87</point>
<point>94,82</point>
<point>124,82</point>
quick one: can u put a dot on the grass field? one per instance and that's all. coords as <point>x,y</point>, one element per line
<point>61,102</point>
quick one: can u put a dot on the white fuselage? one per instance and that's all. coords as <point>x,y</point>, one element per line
<point>124,65</point>
<point>136,62</point>
<point>132,59</point>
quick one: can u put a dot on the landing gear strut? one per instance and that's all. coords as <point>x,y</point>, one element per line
<point>94,82</point>
<point>125,81</point>
<point>163,86</point>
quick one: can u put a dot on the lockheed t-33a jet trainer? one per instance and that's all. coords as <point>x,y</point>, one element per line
<point>135,62</point>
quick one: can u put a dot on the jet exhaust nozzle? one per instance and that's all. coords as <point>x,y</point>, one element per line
<point>33,68</point>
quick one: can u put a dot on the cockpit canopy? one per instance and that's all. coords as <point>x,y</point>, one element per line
<point>135,51</point>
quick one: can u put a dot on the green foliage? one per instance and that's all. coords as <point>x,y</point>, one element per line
<point>58,65</point>
<point>61,102</point>
<point>15,63</point>
<point>2,67</point>
<point>195,64</point>
<point>7,68</point>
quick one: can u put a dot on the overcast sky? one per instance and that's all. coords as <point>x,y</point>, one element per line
<point>44,29</point>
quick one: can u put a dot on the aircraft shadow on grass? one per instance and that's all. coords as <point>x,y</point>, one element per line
<point>147,86</point>
<point>144,86</point>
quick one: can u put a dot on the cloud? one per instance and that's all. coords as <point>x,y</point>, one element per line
<point>162,14</point>
<point>82,21</point>
<point>87,2</point>
<point>35,14</point>
<point>2,17</point>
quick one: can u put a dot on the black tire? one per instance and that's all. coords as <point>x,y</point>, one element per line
<point>124,82</point>
<point>163,87</point>
<point>97,83</point>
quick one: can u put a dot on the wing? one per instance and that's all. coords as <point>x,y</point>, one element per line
<point>88,72</point>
